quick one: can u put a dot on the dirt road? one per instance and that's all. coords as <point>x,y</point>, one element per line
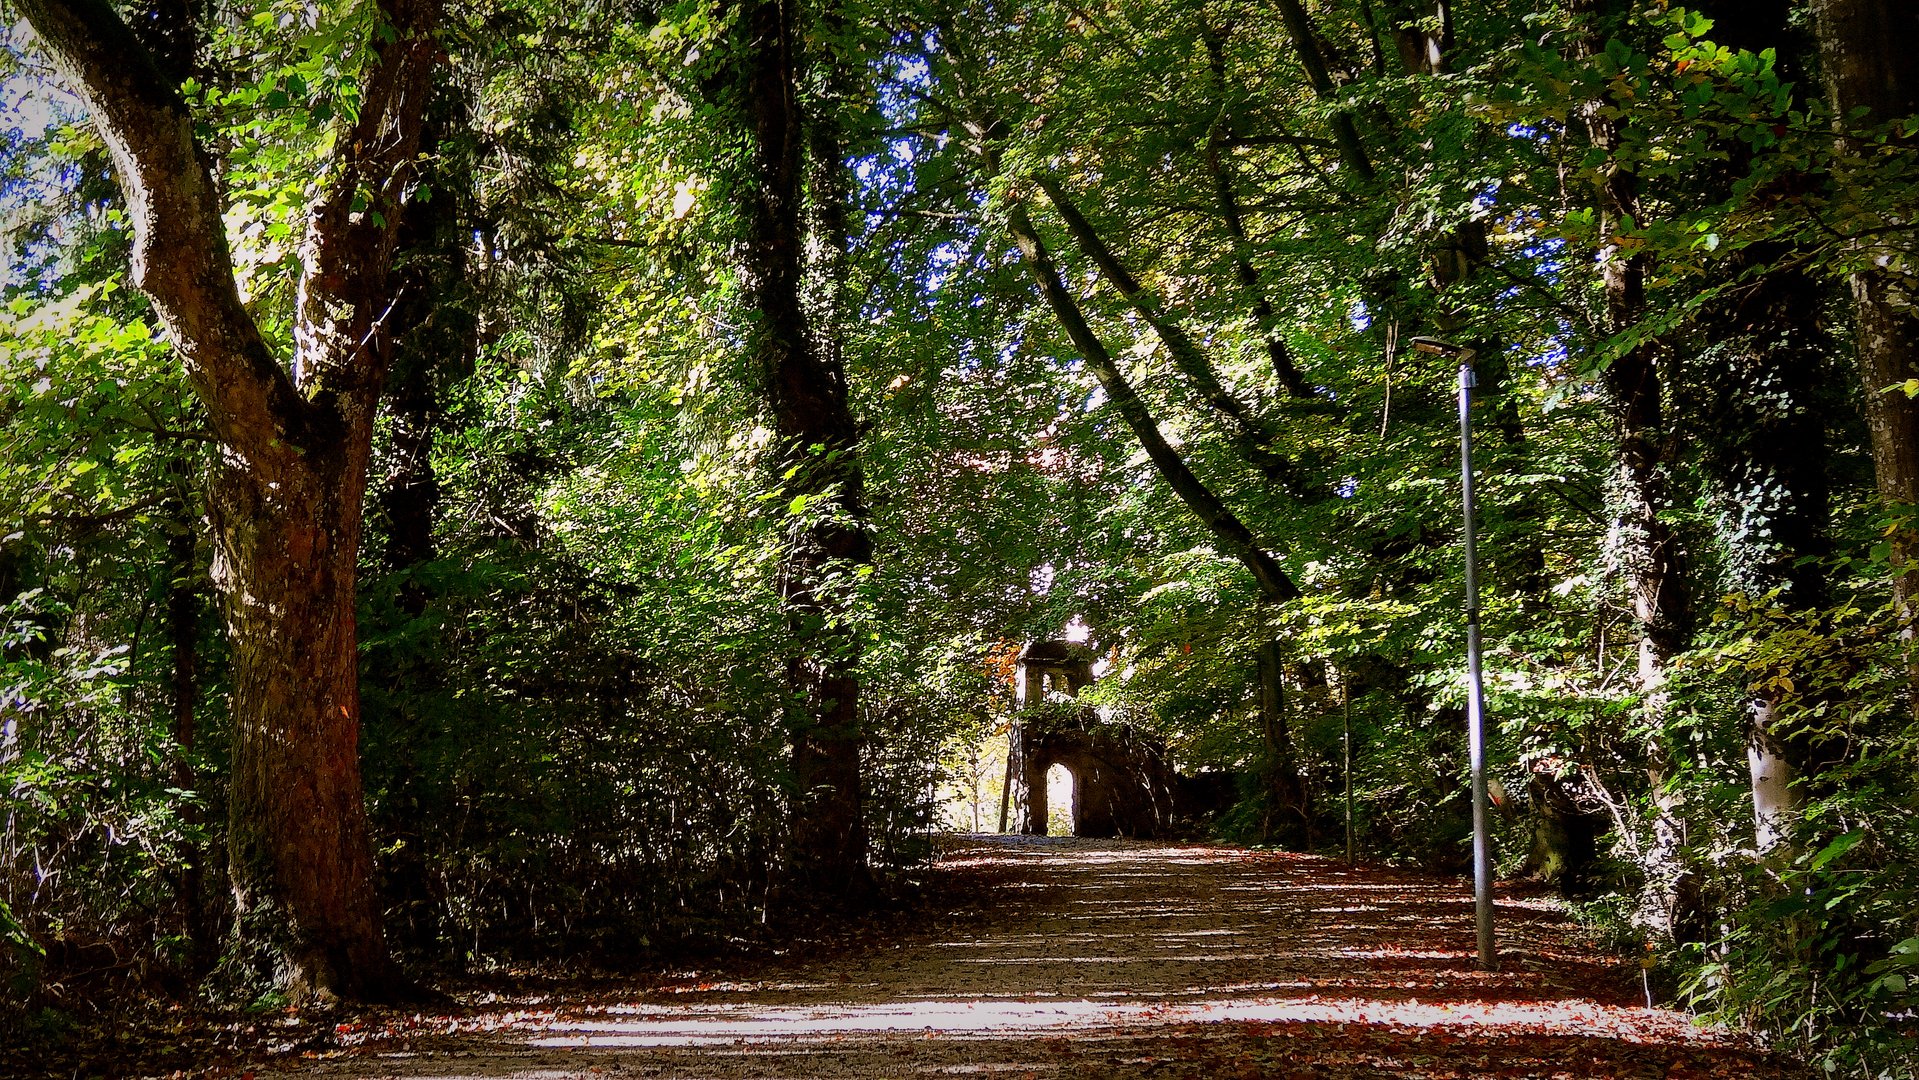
<point>1117,959</point>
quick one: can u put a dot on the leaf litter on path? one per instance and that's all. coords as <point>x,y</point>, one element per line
<point>1109,959</point>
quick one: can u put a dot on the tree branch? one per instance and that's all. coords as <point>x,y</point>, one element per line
<point>1225,193</point>
<point>1215,515</point>
<point>1306,44</point>
<point>1254,436</point>
<point>180,258</point>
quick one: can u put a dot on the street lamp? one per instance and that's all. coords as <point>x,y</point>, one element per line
<point>1475,685</point>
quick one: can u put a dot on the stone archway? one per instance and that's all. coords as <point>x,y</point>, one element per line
<point>1121,781</point>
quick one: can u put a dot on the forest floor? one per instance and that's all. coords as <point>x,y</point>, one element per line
<point>1099,959</point>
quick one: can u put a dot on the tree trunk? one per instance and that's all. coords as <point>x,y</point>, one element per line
<point>1229,532</point>
<point>1219,519</point>
<point>183,640</point>
<point>1644,547</point>
<point>1219,166</point>
<point>1869,53</point>
<point>301,866</point>
<point>1768,393</point>
<point>1285,786</point>
<point>1775,797</point>
<point>1765,462</point>
<point>1423,33</point>
<point>1306,45</point>
<point>806,388</point>
<point>1564,836</point>
<point>287,486</point>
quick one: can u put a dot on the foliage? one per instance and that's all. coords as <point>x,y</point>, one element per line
<point>575,674</point>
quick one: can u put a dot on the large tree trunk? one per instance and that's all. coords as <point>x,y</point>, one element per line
<point>1766,388</point>
<point>1219,519</point>
<point>287,487</point>
<point>1256,438</point>
<point>1869,52</point>
<point>301,866</point>
<point>1228,531</point>
<point>805,384</point>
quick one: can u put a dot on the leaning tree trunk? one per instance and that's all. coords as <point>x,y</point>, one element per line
<point>1869,53</point>
<point>287,486</point>
<point>1228,531</point>
<point>1232,535</point>
<point>1219,167</point>
<point>1257,439</point>
<point>805,385</point>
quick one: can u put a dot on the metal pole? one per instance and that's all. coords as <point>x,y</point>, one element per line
<point>1475,685</point>
<point>1346,695</point>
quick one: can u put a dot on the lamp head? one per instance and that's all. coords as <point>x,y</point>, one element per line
<point>1443,348</point>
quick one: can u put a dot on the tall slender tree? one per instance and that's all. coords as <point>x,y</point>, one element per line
<point>1645,546</point>
<point>803,380</point>
<point>1869,55</point>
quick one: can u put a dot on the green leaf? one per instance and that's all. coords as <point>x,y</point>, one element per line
<point>1837,848</point>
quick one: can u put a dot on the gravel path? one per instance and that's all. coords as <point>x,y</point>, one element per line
<point>1119,959</point>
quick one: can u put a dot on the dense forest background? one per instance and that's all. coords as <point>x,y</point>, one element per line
<point>487,483</point>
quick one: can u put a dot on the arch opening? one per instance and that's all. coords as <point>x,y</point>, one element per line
<point>1062,801</point>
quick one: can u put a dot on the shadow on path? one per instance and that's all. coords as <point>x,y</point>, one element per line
<point>1125,959</point>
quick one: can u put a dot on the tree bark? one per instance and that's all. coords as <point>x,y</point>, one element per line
<point>1869,53</point>
<point>805,386</point>
<point>287,488</point>
<point>1644,547</point>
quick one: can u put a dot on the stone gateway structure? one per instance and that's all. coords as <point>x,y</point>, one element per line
<point>1122,783</point>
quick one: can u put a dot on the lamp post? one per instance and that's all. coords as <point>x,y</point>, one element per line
<point>1475,684</point>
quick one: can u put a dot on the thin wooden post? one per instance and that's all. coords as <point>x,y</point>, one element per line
<point>1006,785</point>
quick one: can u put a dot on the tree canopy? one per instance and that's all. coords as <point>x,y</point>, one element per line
<point>485,481</point>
